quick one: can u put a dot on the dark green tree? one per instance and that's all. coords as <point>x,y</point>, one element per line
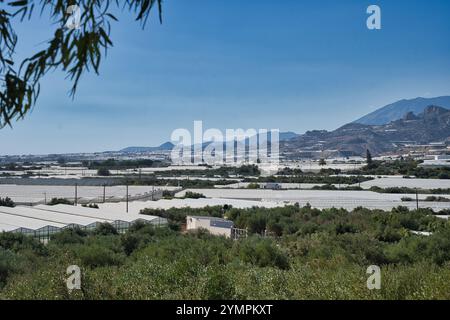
<point>7,202</point>
<point>103,172</point>
<point>369,158</point>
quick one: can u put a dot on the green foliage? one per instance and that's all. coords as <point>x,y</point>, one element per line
<point>404,167</point>
<point>289,172</point>
<point>369,160</point>
<point>56,201</point>
<point>105,229</point>
<point>253,186</point>
<point>104,172</point>
<point>18,242</point>
<point>261,253</point>
<point>125,164</point>
<point>72,51</point>
<point>193,195</point>
<point>310,254</point>
<point>69,236</point>
<point>324,178</point>
<point>409,190</point>
<point>437,199</point>
<point>7,202</point>
<point>91,205</point>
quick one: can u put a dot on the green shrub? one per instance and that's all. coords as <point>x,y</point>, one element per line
<point>56,201</point>
<point>261,253</point>
<point>105,229</point>
<point>7,202</point>
<point>193,195</point>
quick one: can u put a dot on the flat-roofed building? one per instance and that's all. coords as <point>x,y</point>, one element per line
<point>215,226</point>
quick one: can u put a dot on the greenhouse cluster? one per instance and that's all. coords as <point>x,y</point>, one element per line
<point>42,221</point>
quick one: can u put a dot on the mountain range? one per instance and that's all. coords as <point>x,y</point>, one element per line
<point>432,125</point>
<point>397,110</point>
<point>419,120</point>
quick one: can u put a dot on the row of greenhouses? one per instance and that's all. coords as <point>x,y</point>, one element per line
<point>42,221</point>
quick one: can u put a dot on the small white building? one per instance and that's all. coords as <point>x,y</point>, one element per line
<point>272,186</point>
<point>216,226</point>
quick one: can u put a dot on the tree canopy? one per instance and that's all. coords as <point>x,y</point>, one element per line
<point>72,50</point>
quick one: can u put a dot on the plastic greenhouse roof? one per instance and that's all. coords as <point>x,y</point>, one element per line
<point>49,218</point>
<point>102,214</point>
<point>24,222</point>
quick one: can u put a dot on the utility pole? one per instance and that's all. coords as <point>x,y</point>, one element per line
<point>104,192</point>
<point>76,194</point>
<point>127,197</point>
<point>417,200</point>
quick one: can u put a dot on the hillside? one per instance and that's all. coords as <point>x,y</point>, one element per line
<point>397,110</point>
<point>433,124</point>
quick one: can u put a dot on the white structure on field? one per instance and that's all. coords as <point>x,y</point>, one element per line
<point>42,221</point>
<point>215,226</point>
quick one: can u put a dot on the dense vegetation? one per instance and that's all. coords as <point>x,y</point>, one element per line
<point>309,254</point>
<point>104,172</point>
<point>124,164</point>
<point>224,172</point>
<point>19,167</point>
<point>193,195</point>
<point>184,183</point>
<point>55,201</point>
<point>404,167</point>
<point>7,202</point>
<point>312,178</point>
<point>409,190</point>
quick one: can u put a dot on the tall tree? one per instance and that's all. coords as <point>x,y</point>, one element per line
<point>74,48</point>
<point>369,158</point>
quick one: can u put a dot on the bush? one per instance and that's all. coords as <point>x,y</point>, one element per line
<point>18,242</point>
<point>10,263</point>
<point>104,172</point>
<point>56,201</point>
<point>218,286</point>
<point>105,229</point>
<point>261,253</point>
<point>7,202</point>
<point>98,256</point>
<point>90,205</point>
<point>193,195</point>
<point>69,236</point>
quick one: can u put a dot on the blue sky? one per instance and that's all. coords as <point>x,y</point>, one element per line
<point>293,65</point>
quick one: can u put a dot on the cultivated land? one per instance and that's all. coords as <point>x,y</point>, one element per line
<point>409,183</point>
<point>313,239</point>
<point>305,253</point>
<point>323,199</point>
<point>33,194</point>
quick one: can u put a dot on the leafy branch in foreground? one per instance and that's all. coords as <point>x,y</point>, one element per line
<point>72,50</point>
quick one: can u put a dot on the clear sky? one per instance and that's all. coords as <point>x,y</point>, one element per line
<point>293,65</point>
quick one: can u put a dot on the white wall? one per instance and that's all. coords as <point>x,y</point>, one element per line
<point>195,223</point>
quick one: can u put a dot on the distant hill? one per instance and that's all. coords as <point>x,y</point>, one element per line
<point>164,147</point>
<point>432,125</point>
<point>284,136</point>
<point>397,110</point>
